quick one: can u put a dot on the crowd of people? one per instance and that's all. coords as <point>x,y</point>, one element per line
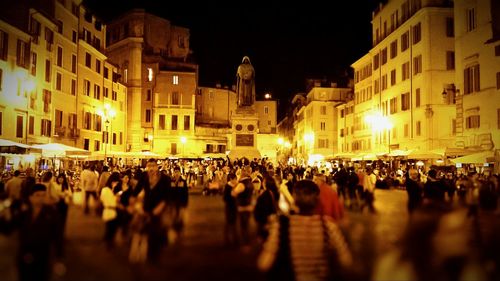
<point>300,214</point>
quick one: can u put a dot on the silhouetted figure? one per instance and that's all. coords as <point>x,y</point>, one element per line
<point>39,235</point>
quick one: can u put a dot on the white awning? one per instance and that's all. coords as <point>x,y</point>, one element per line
<point>476,158</point>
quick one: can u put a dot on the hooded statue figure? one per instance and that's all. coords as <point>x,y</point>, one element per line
<point>245,84</point>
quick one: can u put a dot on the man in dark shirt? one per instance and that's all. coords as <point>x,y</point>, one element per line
<point>155,186</point>
<point>243,193</point>
<point>434,190</point>
<point>231,210</point>
<point>414,190</point>
<point>177,201</point>
<point>38,236</point>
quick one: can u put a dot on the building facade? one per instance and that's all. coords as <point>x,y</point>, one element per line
<point>59,84</point>
<point>401,80</point>
<point>477,76</point>
<point>153,56</point>
<point>316,124</point>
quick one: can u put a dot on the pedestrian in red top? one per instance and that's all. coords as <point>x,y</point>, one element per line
<point>328,204</point>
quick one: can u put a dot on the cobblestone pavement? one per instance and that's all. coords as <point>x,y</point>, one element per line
<point>202,254</point>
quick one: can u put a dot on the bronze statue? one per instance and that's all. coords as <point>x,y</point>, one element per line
<point>245,84</point>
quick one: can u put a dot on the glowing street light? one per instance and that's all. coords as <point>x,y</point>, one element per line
<point>309,137</point>
<point>183,141</point>
<point>280,141</point>
<point>108,114</point>
<point>267,96</point>
<point>380,123</point>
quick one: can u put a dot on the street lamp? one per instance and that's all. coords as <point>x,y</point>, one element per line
<point>108,114</point>
<point>150,139</point>
<point>380,123</point>
<point>183,141</point>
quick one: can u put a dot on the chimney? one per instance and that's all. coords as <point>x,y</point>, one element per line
<point>333,85</point>
<point>218,85</point>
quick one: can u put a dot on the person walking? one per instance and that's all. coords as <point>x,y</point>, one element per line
<point>414,190</point>
<point>155,186</point>
<point>176,205</point>
<point>369,181</point>
<point>109,214</point>
<point>266,205</point>
<point>89,180</point>
<point>39,242</point>
<point>305,246</point>
<point>328,203</point>
<point>243,193</point>
<point>231,211</point>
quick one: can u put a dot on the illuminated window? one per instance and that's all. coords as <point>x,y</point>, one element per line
<point>471,79</point>
<point>471,19</point>
<point>23,54</point>
<point>266,110</point>
<point>175,80</point>
<point>417,65</point>
<point>472,122</point>
<point>150,74</point>
<point>86,87</point>
<point>323,126</point>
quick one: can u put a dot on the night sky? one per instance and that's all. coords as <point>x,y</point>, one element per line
<point>286,43</point>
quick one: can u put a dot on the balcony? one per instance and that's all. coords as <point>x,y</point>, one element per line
<point>74,132</point>
<point>60,132</point>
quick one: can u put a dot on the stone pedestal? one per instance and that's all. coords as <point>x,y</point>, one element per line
<point>244,134</point>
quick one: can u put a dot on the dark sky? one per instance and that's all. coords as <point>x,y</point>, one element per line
<point>286,43</point>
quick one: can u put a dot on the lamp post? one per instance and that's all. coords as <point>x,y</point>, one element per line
<point>183,141</point>
<point>380,123</point>
<point>150,139</point>
<point>108,113</point>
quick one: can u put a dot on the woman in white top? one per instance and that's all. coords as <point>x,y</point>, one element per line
<point>109,214</point>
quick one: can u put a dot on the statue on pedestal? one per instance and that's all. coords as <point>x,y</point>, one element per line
<point>245,84</point>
